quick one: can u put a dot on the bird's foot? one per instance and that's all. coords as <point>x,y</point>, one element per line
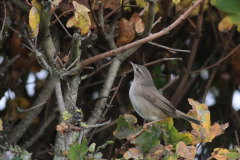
<point>147,126</point>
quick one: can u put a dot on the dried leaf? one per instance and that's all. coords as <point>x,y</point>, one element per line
<point>185,151</point>
<point>126,29</point>
<point>133,153</point>
<point>62,128</point>
<point>205,132</point>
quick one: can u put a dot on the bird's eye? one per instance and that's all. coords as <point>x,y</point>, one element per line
<point>138,70</point>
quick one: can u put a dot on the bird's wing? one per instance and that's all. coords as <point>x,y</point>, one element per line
<point>159,101</point>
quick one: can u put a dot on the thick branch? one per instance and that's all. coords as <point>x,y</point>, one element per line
<point>18,131</point>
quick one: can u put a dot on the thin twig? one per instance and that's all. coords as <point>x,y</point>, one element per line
<point>157,21</point>
<point>168,48</point>
<point>90,126</point>
<point>6,63</point>
<point>26,110</point>
<point>169,84</point>
<point>237,140</point>
<point>215,64</point>
<point>1,34</point>
<point>98,69</point>
<point>62,26</point>
<point>143,11</point>
<point>73,62</point>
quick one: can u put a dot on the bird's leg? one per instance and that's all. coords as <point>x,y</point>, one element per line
<point>150,123</point>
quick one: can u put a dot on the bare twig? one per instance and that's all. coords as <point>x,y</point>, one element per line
<point>6,63</point>
<point>168,48</point>
<point>98,69</point>
<point>157,21</point>
<point>34,107</point>
<point>169,84</point>
<point>1,34</point>
<point>143,11</point>
<point>62,26</point>
<point>237,140</point>
<point>73,62</point>
<point>90,126</point>
<point>215,64</point>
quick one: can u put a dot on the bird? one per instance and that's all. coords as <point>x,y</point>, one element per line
<point>148,102</point>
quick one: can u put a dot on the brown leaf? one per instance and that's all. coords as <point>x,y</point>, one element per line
<point>137,22</point>
<point>185,151</point>
<point>126,29</point>
<point>62,128</point>
<point>65,59</point>
<point>133,153</point>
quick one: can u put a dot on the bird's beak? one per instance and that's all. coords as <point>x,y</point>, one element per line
<point>132,63</point>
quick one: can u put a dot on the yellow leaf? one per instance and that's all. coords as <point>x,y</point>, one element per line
<point>225,24</point>
<point>81,10</point>
<point>81,19</point>
<point>34,20</point>
<point>205,132</point>
<point>219,154</point>
<point>176,1</point>
<point>1,126</point>
<point>37,5</point>
<point>83,23</point>
<point>71,22</point>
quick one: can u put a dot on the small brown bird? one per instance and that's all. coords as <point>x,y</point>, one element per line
<point>148,102</point>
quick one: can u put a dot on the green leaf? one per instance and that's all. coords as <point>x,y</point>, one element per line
<point>149,139</point>
<point>98,155</point>
<point>172,136</point>
<point>229,6</point>
<point>78,151</point>
<point>125,126</point>
<point>25,155</point>
<point>233,155</point>
<point>92,147</point>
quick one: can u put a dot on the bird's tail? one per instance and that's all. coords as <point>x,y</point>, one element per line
<point>188,118</point>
